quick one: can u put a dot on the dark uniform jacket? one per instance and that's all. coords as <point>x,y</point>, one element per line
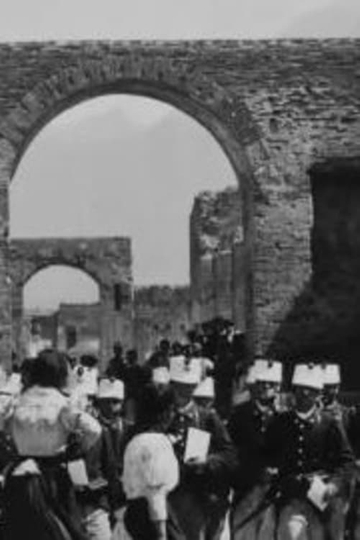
<point>298,447</point>
<point>212,480</point>
<point>349,420</point>
<point>247,427</point>
<point>104,468</point>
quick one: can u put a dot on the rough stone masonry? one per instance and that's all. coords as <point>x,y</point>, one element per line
<point>108,261</point>
<point>287,115</point>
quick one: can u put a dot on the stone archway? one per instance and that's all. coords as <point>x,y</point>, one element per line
<point>107,261</point>
<point>222,114</point>
<point>275,107</point>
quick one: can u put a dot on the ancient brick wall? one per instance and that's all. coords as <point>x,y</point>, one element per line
<point>160,312</point>
<point>277,108</point>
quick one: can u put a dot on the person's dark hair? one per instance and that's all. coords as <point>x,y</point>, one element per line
<point>88,360</point>
<point>132,355</point>
<point>49,369</point>
<point>155,405</point>
<point>26,372</point>
<point>176,348</point>
<point>117,347</point>
<point>164,345</point>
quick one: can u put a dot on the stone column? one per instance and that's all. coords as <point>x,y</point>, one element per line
<point>239,272</point>
<point>6,160</point>
<point>207,295</point>
<point>281,263</point>
<point>223,284</point>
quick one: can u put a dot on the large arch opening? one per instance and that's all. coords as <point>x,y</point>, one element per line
<point>125,165</point>
<point>224,117</point>
<point>141,168</point>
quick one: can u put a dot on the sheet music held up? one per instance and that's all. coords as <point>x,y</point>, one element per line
<point>197,444</point>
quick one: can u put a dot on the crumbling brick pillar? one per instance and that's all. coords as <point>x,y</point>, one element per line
<point>207,297</point>
<point>239,272</point>
<point>223,284</point>
<point>6,159</point>
<point>116,321</point>
<point>283,215</point>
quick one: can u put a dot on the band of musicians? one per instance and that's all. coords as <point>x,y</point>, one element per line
<point>161,449</point>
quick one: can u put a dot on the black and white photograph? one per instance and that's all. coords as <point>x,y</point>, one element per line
<point>180,270</point>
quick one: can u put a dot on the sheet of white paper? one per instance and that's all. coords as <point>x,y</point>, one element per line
<point>197,444</point>
<point>316,493</point>
<point>77,472</point>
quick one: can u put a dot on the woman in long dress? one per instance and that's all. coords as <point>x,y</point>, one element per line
<point>38,494</point>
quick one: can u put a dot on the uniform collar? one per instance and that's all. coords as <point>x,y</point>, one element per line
<point>307,416</point>
<point>189,410</point>
<point>264,410</point>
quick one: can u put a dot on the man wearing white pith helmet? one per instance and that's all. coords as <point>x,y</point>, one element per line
<point>313,459</point>
<point>330,395</point>
<point>204,394</point>
<point>103,496</point>
<point>247,426</point>
<point>348,419</point>
<point>200,500</point>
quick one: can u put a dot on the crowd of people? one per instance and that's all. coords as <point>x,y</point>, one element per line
<point>157,449</point>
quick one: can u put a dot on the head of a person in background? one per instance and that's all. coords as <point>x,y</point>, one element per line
<point>89,361</point>
<point>191,335</point>
<point>229,329</point>
<point>156,407</point>
<point>332,383</point>
<point>176,349</point>
<point>110,398</point>
<point>185,375</point>
<point>72,360</point>
<point>50,370</point>
<point>132,357</point>
<point>267,381</point>
<point>187,350</point>
<point>25,372</point>
<point>118,350</point>
<point>307,384</point>
<point>196,349</point>
<point>164,346</point>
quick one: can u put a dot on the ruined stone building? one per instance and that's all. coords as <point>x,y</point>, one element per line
<point>160,312</point>
<point>108,261</point>
<point>217,276</point>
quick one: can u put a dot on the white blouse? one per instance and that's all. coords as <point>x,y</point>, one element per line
<point>41,419</point>
<point>151,470</point>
